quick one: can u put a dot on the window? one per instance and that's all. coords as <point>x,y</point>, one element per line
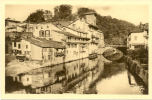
<point>129,45</point>
<point>47,33</point>
<point>49,74</point>
<point>30,29</point>
<point>27,52</point>
<point>27,79</point>
<point>73,25</point>
<point>26,46</point>
<point>41,33</point>
<point>73,45</point>
<point>135,38</point>
<point>47,26</point>
<point>64,29</point>
<point>19,46</point>
<point>129,39</point>
<point>19,52</point>
<point>14,44</point>
<point>57,49</point>
<point>138,46</point>
<point>49,57</point>
<point>44,49</point>
<point>50,50</point>
<point>36,27</point>
<point>42,89</point>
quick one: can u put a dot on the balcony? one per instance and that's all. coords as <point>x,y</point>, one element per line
<point>94,36</point>
<point>95,41</point>
<point>77,41</point>
<point>59,54</point>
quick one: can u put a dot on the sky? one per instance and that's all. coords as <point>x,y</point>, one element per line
<point>131,13</point>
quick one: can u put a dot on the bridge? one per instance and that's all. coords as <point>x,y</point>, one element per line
<point>115,46</point>
<point>122,48</point>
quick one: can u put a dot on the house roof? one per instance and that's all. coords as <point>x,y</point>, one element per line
<point>14,27</point>
<point>70,34</point>
<point>138,33</point>
<point>12,20</point>
<point>89,13</point>
<point>75,30</point>
<point>62,22</point>
<point>67,33</point>
<point>45,43</point>
<point>65,24</point>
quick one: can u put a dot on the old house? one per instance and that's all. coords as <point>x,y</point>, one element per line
<point>91,39</point>
<point>137,40</point>
<point>45,30</point>
<point>11,22</point>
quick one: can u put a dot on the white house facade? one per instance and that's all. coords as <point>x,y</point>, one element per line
<point>137,40</point>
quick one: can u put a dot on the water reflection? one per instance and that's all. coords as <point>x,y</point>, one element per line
<point>82,77</point>
<point>118,84</point>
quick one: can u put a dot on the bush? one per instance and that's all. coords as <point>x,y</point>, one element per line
<point>138,53</point>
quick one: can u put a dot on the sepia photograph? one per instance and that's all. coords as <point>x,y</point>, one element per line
<point>77,49</point>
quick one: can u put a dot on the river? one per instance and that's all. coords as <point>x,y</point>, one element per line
<point>111,78</point>
<point>97,76</point>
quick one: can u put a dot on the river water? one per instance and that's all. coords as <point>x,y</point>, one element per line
<point>110,78</point>
<point>97,76</point>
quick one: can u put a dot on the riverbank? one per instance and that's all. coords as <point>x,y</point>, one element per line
<point>137,68</point>
<point>15,67</point>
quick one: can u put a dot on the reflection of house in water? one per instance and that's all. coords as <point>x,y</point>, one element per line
<point>132,83</point>
<point>42,77</point>
<point>53,79</point>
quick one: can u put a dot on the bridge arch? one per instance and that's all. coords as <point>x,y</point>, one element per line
<point>122,48</point>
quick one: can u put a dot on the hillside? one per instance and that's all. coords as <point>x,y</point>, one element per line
<point>115,31</point>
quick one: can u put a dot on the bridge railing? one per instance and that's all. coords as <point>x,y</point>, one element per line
<point>116,45</point>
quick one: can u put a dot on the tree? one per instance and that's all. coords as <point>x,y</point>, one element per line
<point>37,17</point>
<point>62,12</point>
<point>83,10</point>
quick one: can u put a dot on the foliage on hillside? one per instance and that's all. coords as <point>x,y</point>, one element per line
<point>115,30</point>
